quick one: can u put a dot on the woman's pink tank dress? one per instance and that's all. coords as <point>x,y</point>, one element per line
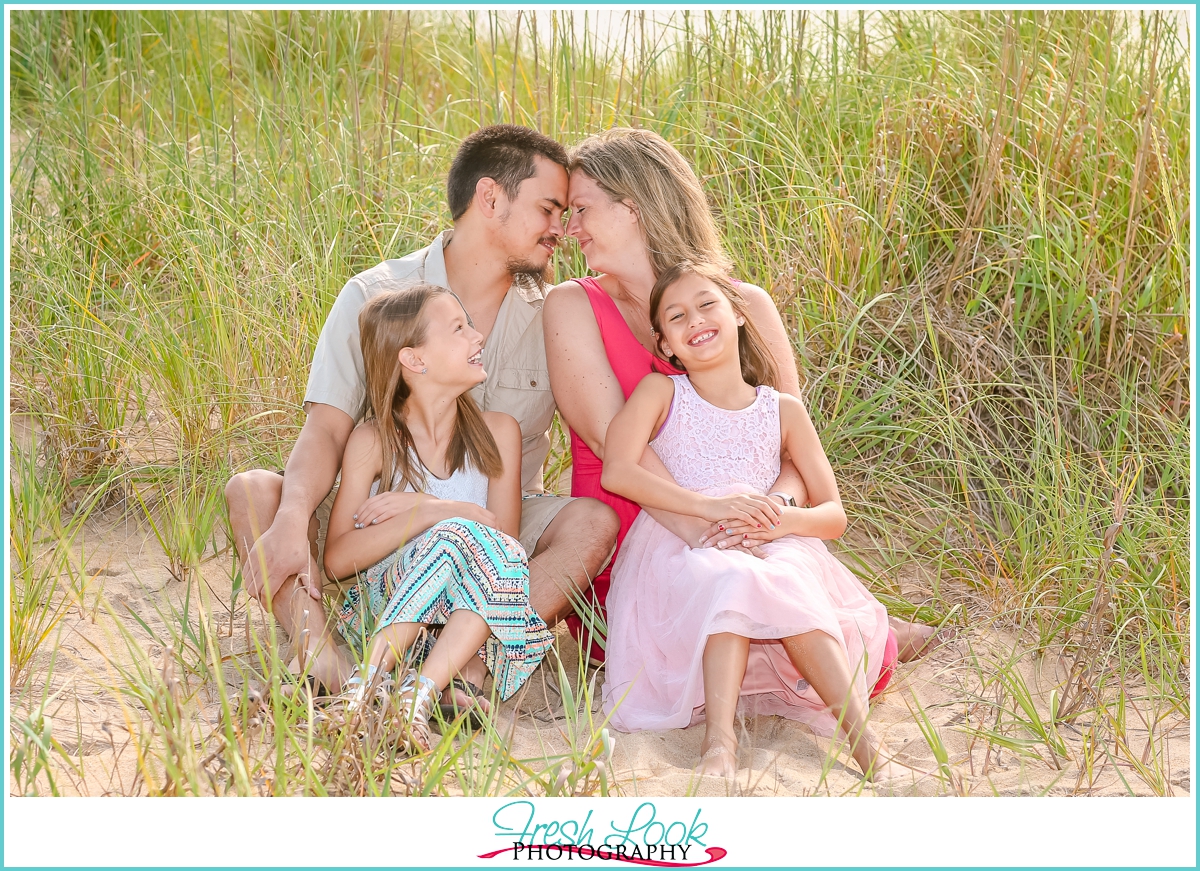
<point>630,363</point>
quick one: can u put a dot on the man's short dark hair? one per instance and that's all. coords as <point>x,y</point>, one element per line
<point>502,152</point>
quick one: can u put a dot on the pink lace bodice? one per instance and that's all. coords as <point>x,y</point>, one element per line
<point>709,448</point>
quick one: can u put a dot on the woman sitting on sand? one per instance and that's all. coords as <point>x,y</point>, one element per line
<point>692,630</point>
<point>455,560</point>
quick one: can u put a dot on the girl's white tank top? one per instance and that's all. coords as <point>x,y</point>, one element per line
<point>468,484</point>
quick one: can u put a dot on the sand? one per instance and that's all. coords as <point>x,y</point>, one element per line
<point>955,687</point>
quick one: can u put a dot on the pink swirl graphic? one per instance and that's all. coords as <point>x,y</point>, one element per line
<point>715,854</point>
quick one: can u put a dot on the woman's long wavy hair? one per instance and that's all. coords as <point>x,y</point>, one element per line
<point>758,366</point>
<point>643,168</point>
<point>389,322</point>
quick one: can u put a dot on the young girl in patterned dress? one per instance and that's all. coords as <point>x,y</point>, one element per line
<point>454,560</point>
<point>693,630</point>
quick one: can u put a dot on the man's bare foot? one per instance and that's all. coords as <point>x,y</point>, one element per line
<point>460,696</point>
<point>718,755</point>
<point>915,640</point>
<point>464,693</point>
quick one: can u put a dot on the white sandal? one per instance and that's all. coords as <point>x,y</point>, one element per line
<point>418,699</point>
<point>359,688</point>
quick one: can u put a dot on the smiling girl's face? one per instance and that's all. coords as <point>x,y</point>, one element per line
<point>452,349</point>
<point>699,324</point>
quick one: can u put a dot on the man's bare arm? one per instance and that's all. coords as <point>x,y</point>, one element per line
<point>313,464</point>
<point>282,550</point>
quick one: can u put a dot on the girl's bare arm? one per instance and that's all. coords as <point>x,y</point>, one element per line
<point>587,392</point>
<point>628,437</point>
<point>766,317</point>
<point>386,521</point>
<point>504,492</point>
<point>347,550</point>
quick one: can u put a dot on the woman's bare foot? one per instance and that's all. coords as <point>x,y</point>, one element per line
<point>718,755</point>
<point>915,640</point>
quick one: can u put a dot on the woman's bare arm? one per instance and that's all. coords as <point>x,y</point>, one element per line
<point>766,317</point>
<point>585,389</point>
<point>587,392</point>
<point>826,518</point>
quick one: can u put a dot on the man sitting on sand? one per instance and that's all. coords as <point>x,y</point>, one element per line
<point>507,190</point>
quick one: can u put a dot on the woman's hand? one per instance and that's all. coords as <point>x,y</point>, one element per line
<point>725,533</point>
<point>721,535</point>
<point>762,512</point>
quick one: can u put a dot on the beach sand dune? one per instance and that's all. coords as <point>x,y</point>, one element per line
<point>989,682</point>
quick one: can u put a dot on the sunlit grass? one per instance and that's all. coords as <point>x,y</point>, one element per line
<point>975,225</point>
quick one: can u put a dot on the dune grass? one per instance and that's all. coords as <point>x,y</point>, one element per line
<point>975,225</point>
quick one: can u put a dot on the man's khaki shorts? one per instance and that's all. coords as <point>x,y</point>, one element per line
<point>537,512</point>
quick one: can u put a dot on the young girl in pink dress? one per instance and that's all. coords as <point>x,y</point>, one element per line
<point>693,629</point>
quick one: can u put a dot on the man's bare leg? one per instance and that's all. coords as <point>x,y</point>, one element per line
<point>253,499</point>
<point>571,552</point>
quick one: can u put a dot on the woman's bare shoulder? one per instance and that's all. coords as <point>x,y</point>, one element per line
<point>755,295</point>
<point>569,322</point>
<point>566,296</point>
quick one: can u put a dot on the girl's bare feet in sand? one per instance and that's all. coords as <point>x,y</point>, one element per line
<point>718,755</point>
<point>881,766</point>
<point>889,770</point>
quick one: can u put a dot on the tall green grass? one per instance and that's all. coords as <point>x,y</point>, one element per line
<point>975,224</point>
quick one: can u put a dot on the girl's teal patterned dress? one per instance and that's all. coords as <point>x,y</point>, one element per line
<point>455,564</point>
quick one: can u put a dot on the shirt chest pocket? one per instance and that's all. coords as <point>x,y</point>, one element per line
<point>513,378</point>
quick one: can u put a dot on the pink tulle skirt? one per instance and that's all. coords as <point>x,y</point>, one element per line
<point>667,598</point>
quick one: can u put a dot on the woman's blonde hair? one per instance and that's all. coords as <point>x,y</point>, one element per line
<point>390,321</point>
<point>643,168</point>
<point>758,366</point>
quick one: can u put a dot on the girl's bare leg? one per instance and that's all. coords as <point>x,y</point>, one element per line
<point>820,659</point>
<point>725,656</point>
<point>390,643</point>
<point>457,644</point>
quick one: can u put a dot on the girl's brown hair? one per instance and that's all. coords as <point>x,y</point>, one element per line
<point>389,322</point>
<point>758,366</point>
<point>643,168</point>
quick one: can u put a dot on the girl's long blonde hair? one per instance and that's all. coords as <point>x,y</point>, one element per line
<point>758,365</point>
<point>643,168</point>
<point>390,321</point>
